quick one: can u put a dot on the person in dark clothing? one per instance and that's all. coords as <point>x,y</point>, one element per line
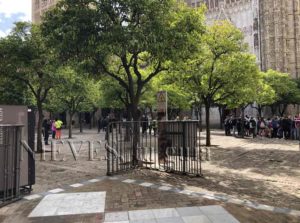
<point>286,127</point>
<point>252,127</point>
<point>227,125</point>
<point>144,124</point>
<point>233,125</point>
<point>239,126</point>
<point>46,128</point>
<point>275,126</point>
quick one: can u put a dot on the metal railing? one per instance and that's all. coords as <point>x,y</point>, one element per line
<point>10,144</point>
<point>172,146</point>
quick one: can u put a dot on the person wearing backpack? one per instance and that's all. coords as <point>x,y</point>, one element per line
<point>261,127</point>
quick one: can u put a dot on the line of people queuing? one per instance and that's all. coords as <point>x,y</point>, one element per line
<point>277,127</point>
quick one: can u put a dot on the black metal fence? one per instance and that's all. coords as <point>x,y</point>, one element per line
<point>10,144</point>
<point>172,146</point>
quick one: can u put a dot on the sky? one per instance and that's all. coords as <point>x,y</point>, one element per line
<point>12,11</point>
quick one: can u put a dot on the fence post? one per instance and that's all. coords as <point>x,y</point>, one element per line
<point>108,157</point>
<point>184,146</point>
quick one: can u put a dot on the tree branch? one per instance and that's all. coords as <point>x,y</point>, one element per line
<point>154,73</point>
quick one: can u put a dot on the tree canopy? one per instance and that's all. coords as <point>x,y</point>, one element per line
<point>222,72</point>
<point>130,41</point>
<point>26,59</point>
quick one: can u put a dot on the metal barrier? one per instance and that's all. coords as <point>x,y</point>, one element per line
<point>10,144</point>
<point>172,146</point>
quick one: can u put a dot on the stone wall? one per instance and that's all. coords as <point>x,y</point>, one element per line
<point>242,13</point>
<point>280,35</point>
<point>39,7</point>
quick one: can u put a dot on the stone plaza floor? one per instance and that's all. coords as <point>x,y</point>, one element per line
<point>247,180</point>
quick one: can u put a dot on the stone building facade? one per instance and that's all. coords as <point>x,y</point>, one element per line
<point>39,7</point>
<point>271,28</point>
<point>243,13</point>
<point>280,35</point>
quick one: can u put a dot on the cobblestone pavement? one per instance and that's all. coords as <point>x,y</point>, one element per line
<point>263,170</point>
<point>260,170</point>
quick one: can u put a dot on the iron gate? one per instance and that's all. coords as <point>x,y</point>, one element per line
<point>10,143</point>
<point>172,146</point>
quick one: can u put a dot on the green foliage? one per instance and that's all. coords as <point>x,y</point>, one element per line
<point>286,89</point>
<point>222,72</point>
<point>74,93</point>
<point>131,41</point>
<point>14,92</point>
<point>27,60</point>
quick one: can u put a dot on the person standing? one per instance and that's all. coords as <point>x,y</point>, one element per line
<point>227,126</point>
<point>144,124</point>
<point>275,126</point>
<point>58,126</point>
<point>46,127</point>
<point>252,127</point>
<point>286,127</point>
<point>53,129</point>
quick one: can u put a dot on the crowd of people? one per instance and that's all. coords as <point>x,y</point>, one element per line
<point>277,127</point>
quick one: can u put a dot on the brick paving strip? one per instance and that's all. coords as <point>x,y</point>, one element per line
<point>210,196</point>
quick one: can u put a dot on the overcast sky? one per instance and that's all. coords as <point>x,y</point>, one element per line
<point>12,11</point>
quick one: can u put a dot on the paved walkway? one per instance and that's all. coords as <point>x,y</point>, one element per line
<point>240,178</point>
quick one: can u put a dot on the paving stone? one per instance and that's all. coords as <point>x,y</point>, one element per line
<point>116,222</point>
<point>265,207</point>
<point>165,188</point>
<point>70,204</point>
<point>210,197</point>
<point>189,211</point>
<point>32,197</point>
<point>170,220</point>
<point>188,192</point>
<point>212,209</point>
<point>57,190</point>
<point>117,216</point>
<point>144,221</point>
<point>222,218</point>
<point>128,181</point>
<point>145,184</point>
<point>141,215</point>
<point>196,219</point>
<point>165,213</point>
<point>93,180</point>
<point>76,185</point>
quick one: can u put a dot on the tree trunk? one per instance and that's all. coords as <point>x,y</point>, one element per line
<point>273,109</point>
<point>91,120</point>
<point>39,146</point>
<point>243,122</point>
<point>70,124</point>
<point>136,132</point>
<point>207,122</point>
<point>259,108</point>
<point>200,115</point>
<point>283,109</point>
<point>221,116</point>
<point>80,121</point>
